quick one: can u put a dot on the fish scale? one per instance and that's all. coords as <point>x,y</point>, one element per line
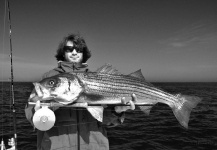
<point>125,80</point>
<point>119,83</point>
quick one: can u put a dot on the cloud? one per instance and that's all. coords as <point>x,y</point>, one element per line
<point>180,42</point>
<point>177,44</point>
<point>196,34</point>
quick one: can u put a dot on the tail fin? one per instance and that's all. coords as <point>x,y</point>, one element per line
<point>182,112</point>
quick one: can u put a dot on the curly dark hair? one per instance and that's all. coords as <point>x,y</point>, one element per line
<point>78,41</point>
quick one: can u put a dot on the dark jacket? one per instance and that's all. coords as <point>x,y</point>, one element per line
<point>75,128</point>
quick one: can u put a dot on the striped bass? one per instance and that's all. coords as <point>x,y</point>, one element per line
<point>108,86</point>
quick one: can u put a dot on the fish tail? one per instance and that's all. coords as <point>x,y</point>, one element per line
<point>184,107</point>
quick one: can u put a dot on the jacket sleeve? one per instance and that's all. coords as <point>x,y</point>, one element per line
<point>111,118</point>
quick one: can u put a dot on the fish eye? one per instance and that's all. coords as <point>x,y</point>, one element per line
<point>51,82</point>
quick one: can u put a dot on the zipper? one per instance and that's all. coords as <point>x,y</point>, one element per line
<point>77,116</point>
<point>78,128</point>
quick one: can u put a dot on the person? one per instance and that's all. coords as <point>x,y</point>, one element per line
<point>75,128</point>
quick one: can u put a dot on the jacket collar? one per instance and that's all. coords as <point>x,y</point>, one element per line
<point>68,66</point>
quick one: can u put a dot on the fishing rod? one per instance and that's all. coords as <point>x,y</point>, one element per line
<point>83,104</point>
<point>12,77</point>
<point>44,119</point>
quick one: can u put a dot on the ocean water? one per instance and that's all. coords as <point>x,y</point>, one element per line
<point>158,131</point>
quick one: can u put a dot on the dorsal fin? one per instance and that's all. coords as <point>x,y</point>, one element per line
<point>107,68</point>
<point>137,74</point>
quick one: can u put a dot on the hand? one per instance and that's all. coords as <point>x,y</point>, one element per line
<point>35,98</point>
<point>37,106</point>
<point>120,109</point>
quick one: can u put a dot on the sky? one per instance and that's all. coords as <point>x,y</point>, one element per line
<point>169,40</point>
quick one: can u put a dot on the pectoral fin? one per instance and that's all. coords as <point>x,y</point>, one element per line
<point>145,109</point>
<point>96,112</point>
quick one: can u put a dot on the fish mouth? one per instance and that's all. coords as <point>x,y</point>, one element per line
<point>42,92</point>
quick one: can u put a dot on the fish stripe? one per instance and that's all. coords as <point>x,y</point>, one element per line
<point>119,85</point>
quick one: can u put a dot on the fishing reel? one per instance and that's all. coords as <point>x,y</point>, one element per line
<point>44,119</point>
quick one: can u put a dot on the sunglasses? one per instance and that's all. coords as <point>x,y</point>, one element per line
<point>72,48</point>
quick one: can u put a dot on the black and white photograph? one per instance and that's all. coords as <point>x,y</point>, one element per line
<point>108,75</point>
